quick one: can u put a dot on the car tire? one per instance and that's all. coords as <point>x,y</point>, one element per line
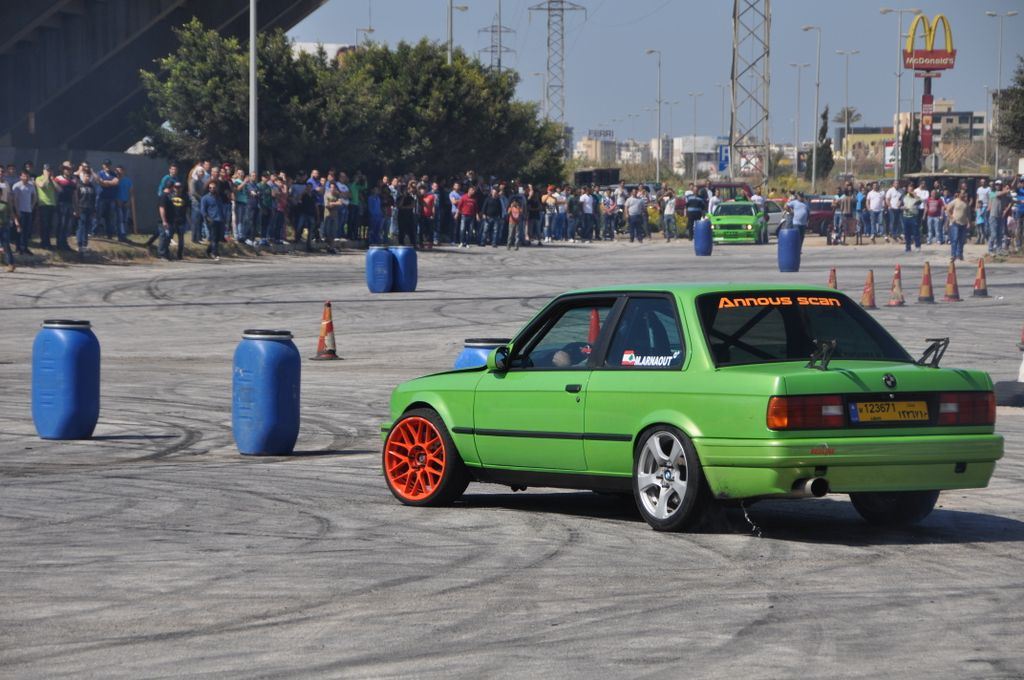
<point>894,508</point>
<point>674,504</point>
<point>421,464</point>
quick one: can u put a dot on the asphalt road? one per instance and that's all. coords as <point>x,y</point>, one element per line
<point>155,550</point>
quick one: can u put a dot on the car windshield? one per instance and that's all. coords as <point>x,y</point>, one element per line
<point>757,327</point>
<point>734,209</point>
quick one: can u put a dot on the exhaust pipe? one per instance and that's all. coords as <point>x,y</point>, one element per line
<point>813,486</point>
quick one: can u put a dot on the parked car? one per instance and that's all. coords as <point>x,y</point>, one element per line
<point>821,211</point>
<point>689,394</point>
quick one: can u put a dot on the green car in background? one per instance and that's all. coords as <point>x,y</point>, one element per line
<point>684,395</point>
<point>738,222</point>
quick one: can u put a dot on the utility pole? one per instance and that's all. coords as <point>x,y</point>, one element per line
<point>749,130</point>
<point>988,124</point>
<point>253,102</point>
<point>695,95</point>
<point>999,80</point>
<point>554,100</point>
<point>846,108</point>
<point>657,159</point>
<point>496,49</point>
<point>817,93</point>
<point>899,83</point>
<point>451,9</point>
<point>796,144</point>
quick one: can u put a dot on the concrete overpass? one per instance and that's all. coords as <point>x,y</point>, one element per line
<point>71,66</point>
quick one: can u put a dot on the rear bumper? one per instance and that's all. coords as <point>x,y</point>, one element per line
<point>749,468</point>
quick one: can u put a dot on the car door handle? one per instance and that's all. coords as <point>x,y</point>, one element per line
<point>573,389</point>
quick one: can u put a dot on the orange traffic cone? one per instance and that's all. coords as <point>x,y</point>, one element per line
<point>867,298</point>
<point>595,326</point>
<point>832,282</point>
<point>896,296</point>
<point>325,347</point>
<point>952,289</point>
<point>927,293</point>
<point>980,283</point>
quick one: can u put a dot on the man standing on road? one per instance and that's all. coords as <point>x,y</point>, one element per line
<point>636,214</point>
<point>468,208</point>
<point>911,217</point>
<point>66,187</point>
<point>797,208</point>
<point>958,211</point>
<point>46,190</point>
<point>108,182</point>
<point>875,204</point>
<point>172,221</point>
<point>894,201</point>
<point>668,215</point>
<point>587,215</point>
<point>213,214</point>
<point>125,199</point>
<point>25,200</point>
<point>7,231</point>
<point>84,207</point>
<point>998,203</point>
<point>694,208</point>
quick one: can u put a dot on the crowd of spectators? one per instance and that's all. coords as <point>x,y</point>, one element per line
<point>211,204</point>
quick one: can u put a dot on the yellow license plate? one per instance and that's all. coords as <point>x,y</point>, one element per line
<point>886,411</point>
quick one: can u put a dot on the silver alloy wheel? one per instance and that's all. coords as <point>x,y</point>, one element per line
<point>661,474</point>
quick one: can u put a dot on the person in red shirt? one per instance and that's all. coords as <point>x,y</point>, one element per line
<point>469,212</point>
<point>427,208</point>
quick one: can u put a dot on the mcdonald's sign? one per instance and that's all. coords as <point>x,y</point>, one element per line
<point>929,59</point>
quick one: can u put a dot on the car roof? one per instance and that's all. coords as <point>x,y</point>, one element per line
<point>691,290</point>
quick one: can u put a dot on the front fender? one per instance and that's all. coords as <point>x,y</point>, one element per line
<point>455,408</point>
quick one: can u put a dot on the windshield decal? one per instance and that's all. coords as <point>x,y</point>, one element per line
<point>780,301</point>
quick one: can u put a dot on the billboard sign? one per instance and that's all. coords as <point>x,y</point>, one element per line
<point>929,58</point>
<point>890,154</point>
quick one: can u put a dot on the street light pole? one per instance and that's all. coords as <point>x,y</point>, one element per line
<point>721,89</point>
<point>846,109</point>
<point>899,82</point>
<point>796,144</point>
<point>695,95</point>
<point>999,79</point>
<point>988,125</point>
<point>451,9</point>
<point>253,102</point>
<point>817,93</point>
<point>657,160</point>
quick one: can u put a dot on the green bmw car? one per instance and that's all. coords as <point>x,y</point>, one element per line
<point>687,395</point>
<point>738,222</point>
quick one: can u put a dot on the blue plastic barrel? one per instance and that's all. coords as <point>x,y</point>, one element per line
<point>65,380</point>
<point>475,350</point>
<point>789,250</point>
<point>380,266</point>
<point>265,393</point>
<point>702,238</point>
<point>405,269</point>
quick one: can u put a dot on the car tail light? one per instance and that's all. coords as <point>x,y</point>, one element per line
<point>967,408</point>
<point>806,413</point>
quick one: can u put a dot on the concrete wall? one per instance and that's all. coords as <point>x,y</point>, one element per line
<point>145,172</point>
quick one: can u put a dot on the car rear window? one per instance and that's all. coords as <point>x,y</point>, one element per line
<point>755,327</point>
<point>733,209</point>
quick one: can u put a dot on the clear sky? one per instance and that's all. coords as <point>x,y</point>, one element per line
<point>609,77</point>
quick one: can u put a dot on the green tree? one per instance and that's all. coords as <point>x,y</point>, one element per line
<point>381,110</point>
<point>1010,102</point>
<point>910,149</point>
<point>825,159</point>
<point>840,116</point>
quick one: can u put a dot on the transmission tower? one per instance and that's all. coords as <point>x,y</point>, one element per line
<point>554,94</point>
<point>497,50</point>
<point>749,146</point>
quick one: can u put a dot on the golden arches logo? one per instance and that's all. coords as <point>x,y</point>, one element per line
<point>929,59</point>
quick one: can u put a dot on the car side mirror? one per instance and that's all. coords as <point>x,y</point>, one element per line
<point>497,360</point>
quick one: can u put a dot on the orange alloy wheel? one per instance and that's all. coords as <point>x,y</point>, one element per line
<point>414,458</point>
